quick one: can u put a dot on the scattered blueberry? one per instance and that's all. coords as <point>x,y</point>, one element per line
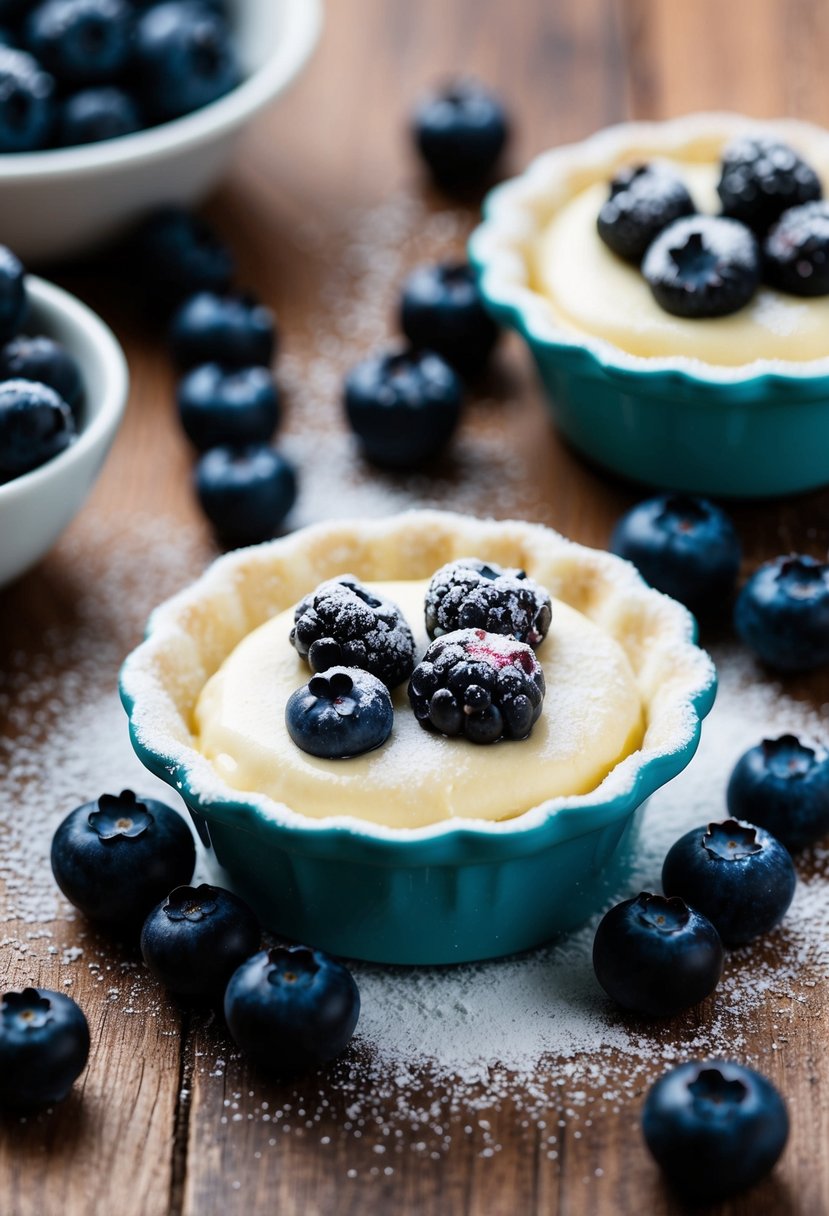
<point>761,178</point>
<point>656,956</point>
<point>292,1009</point>
<point>796,251</point>
<point>40,358</point>
<point>480,685</point>
<point>13,301</point>
<point>180,254</point>
<point>27,103</point>
<point>714,1127</point>
<point>782,785</point>
<point>233,406</point>
<point>340,714</point>
<point>343,624</point>
<point>460,132</point>
<point>734,873</point>
<point>197,937</point>
<point>80,41</point>
<point>782,613</point>
<point>117,857</point>
<point>44,1046</point>
<point>441,310</point>
<point>184,58</point>
<point>245,492</point>
<point>95,114</point>
<point>471,594</point>
<point>703,266</point>
<point>35,426</point>
<point>403,406</point>
<point>234,330</point>
<point>643,200</point>
<point>686,547</point>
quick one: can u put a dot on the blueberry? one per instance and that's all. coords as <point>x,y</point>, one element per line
<point>656,956</point>
<point>180,254</point>
<point>80,41</point>
<point>796,251</point>
<point>736,874</point>
<point>235,330</point>
<point>197,937</point>
<point>782,785</point>
<point>460,131</point>
<point>686,547</point>
<point>27,105</point>
<point>245,492</point>
<point>35,426</point>
<point>117,857</point>
<point>441,310</point>
<point>703,266</point>
<point>234,406</point>
<point>403,406</point>
<point>343,713</point>
<point>95,114</point>
<point>44,1046</point>
<point>184,58</point>
<point>471,594</point>
<point>39,358</point>
<point>782,613</point>
<point>714,1127</point>
<point>761,178</point>
<point>643,200</point>
<point>292,1009</point>
<point>13,300</point>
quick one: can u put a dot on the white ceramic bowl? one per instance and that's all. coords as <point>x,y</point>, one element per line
<point>57,204</point>
<point>35,508</point>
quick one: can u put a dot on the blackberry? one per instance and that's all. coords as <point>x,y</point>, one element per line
<point>703,266</point>
<point>342,624</point>
<point>643,200</point>
<point>471,594</point>
<point>796,251</point>
<point>478,684</point>
<point>761,178</point>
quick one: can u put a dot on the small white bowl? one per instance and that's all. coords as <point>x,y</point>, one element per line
<point>62,202</point>
<point>35,508</point>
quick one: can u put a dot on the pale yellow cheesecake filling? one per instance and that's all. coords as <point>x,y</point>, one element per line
<point>594,292</point>
<point>592,719</point>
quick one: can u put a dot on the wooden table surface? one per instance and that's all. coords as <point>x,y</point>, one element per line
<point>325,208</point>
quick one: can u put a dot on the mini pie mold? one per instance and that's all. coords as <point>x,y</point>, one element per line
<point>752,431</point>
<point>452,891</point>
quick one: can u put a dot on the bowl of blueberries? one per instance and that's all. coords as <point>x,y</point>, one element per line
<point>63,388</point>
<point>109,108</point>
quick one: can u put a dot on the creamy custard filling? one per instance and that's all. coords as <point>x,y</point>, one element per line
<point>594,292</point>
<point>592,719</point>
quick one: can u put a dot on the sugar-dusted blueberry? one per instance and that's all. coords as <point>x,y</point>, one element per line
<point>783,786</point>
<point>178,254</point>
<point>80,41</point>
<point>782,613</point>
<point>44,1046</point>
<point>95,114</point>
<point>760,178</point>
<point>703,266</point>
<point>233,329</point>
<point>43,359</point>
<point>245,492</point>
<point>480,685</point>
<point>796,251</point>
<point>13,300</point>
<point>35,426</point>
<point>219,405</point>
<point>734,873</point>
<point>441,310</point>
<point>643,199</point>
<point>27,102</point>
<point>656,956</point>
<point>686,547</point>
<point>341,713</point>
<point>461,131</point>
<point>117,857</point>
<point>715,1127</point>
<point>197,937</point>
<point>292,1009</point>
<point>343,624</point>
<point>403,406</point>
<point>472,594</point>
<point>184,58</point>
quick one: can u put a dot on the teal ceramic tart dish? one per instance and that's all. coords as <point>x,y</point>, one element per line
<point>697,418</point>
<point>451,889</point>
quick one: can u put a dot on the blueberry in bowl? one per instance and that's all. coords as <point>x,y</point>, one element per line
<point>703,266</point>
<point>643,199</point>
<point>340,713</point>
<point>782,785</point>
